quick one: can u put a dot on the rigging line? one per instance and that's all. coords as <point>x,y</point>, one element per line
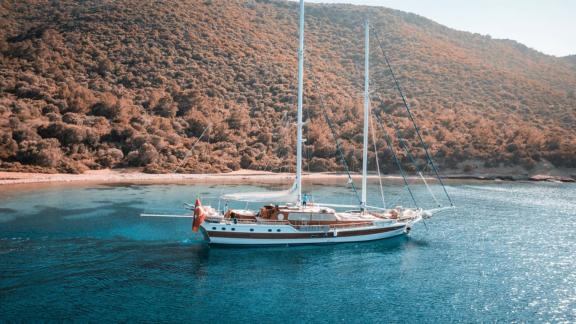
<point>395,201</point>
<point>334,136</point>
<point>307,147</point>
<point>395,157</point>
<point>429,190</point>
<point>196,142</point>
<point>407,151</point>
<point>412,159</point>
<point>411,116</point>
<point>401,140</point>
<point>377,163</point>
<point>267,160</point>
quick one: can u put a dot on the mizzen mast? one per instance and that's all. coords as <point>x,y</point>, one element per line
<point>300,91</point>
<point>366,112</point>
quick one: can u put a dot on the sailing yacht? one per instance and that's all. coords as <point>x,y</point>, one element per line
<point>296,220</point>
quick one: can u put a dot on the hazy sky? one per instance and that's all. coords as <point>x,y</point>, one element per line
<point>548,26</point>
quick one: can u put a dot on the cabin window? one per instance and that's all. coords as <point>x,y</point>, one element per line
<point>278,230</point>
<point>223,228</point>
<point>233,229</point>
<point>269,230</point>
<point>213,228</point>
<point>251,230</point>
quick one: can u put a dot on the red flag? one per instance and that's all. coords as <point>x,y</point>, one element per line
<point>199,215</point>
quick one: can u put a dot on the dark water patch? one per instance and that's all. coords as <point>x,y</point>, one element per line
<point>4,210</point>
<point>108,188</point>
<point>126,185</point>
<point>103,201</point>
<point>67,222</point>
<point>115,187</point>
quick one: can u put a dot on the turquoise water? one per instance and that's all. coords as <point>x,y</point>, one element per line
<point>508,253</point>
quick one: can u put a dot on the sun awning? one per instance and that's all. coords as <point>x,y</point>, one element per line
<point>284,196</point>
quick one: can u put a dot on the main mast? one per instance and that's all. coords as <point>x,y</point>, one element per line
<point>300,90</point>
<point>366,111</point>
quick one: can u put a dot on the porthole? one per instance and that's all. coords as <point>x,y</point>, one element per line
<point>213,228</point>
<point>251,230</point>
<point>233,229</point>
<point>278,230</point>
<point>223,228</point>
<point>269,230</point>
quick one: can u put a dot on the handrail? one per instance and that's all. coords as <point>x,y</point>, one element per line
<point>166,215</point>
<point>333,226</point>
<point>318,227</point>
<point>273,222</point>
<point>269,222</point>
<point>312,228</point>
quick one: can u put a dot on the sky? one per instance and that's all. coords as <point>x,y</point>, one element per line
<point>548,26</point>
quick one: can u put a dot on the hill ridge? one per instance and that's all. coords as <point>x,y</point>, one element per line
<point>118,84</point>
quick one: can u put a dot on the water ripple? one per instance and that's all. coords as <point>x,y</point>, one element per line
<point>505,255</point>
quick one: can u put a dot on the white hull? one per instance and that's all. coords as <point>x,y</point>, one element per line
<point>327,240</point>
<point>246,235</point>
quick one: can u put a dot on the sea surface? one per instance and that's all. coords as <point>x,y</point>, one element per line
<point>81,252</point>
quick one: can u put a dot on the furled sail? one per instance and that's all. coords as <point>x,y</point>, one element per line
<point>284,196</point>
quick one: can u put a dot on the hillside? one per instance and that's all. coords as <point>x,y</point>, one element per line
<point>97,84</point>
<point>571,59</point>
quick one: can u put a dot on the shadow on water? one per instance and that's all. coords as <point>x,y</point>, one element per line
<point>114,185</point>
<point>180,259</point>
<point>103,201</point>
<point>72,221</point>
<point>418,242</point>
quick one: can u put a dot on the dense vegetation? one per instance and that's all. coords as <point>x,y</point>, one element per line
<point>98,84</point>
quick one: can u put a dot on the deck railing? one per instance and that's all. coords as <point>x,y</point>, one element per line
<point>261,222</point>
<point>361,224</point>
<point>325,228</point>
<point>301,227</point>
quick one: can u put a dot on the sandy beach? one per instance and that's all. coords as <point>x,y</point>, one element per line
<point>240,176</point>
<point>135,175</point>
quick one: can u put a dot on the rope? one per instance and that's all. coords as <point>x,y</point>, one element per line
<point>401,141</point>
<point>429,190</point>
<point>335,137</point>
<point>306,147</point>
<point>377,163</point>
<point>396,160</point>
<point>196,142</point>
<point>407,151</point>
<point>389,143</point>
<point>411,116</point>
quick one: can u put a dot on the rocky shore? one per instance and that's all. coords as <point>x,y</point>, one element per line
<point>538,177</point>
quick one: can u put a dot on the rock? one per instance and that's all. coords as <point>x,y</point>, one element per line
<point>505,178</point>
<point>541,177</point>
<point>551,178</point>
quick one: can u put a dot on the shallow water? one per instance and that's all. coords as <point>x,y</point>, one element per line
<point>506,254</point>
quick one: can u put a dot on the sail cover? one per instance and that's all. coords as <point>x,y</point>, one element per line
<point>285,196</point>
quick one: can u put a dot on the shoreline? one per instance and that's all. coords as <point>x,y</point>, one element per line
<point>240,176</point>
